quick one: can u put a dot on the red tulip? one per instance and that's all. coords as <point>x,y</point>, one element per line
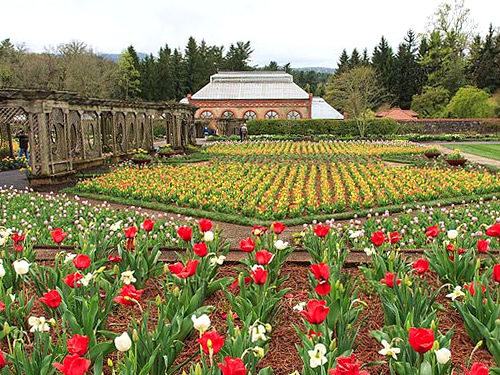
<point>421,266</point>
<point>73,365</point>
<point>72,280</point>
<point>185,233</point>
<point>347,366</point>
<point>211,340</point>
<point>200,249</point>
<point>58,235</point>
<point>2,306</point>
<point>432,231</point>
<point>115,259</point>
<point>390,278</point>
<point>477,369</point>
<point>52,299</point>
<point>471,288</point>
<point>278,228</point>
<point>18,241</point>
<point>259,230</point>
<point>321,230</point>
<point>494,230</point>
<point>316,311</point>
<point>421,339</point>
<point>148,225</point>
<point>247,281</point>
<point>247,245</point>
<point>394,237</point>
<point>259,275</point>
<point>378,238</point>
<point>321,272</point>
<point>496,273</point>
<point>130,232</point>
<point>233,366</point>
<point>205,225</point>
<point>483,246</point>
<point>81,261</point>
<point>263,257</point>
<point>129,296</point>
<point>3,362</point>
<point>181,271</point>
<point>78,345</point>
<point>449,247</point>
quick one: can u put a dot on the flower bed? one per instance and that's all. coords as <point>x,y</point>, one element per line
<point>120,311</point>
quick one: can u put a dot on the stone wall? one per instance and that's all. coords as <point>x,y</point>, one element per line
<point>451,126</point>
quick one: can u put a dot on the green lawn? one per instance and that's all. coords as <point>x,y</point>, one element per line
<point>491,151</point>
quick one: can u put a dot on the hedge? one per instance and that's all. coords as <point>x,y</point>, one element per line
<point>310,127</point>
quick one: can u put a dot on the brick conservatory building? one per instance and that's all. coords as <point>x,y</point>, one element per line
<point>233,97</point>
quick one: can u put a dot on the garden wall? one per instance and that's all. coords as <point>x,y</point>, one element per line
<point>452,126</point>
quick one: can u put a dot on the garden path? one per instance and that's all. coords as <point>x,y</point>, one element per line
<point>14,178</point>
<point>474,158</point>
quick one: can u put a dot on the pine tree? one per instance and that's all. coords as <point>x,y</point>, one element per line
<point>355,59</point>
<point>483,69</point>
<point>365,60</point>
<point>383,63</point>
<point>407,72</point>
<point>343,64</point>
<point>179,75</point>
<point>193,66</point>
<point>238,57</point>
<point>129,82</point>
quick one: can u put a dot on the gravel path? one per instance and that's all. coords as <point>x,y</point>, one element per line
<point>471,157</point>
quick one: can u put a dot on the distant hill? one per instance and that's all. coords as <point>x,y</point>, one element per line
<point>115,56</point>
<point>319,69</point>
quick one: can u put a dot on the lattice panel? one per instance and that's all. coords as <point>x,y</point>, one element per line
<point>75,135</point>
<point>120,138</point>
<point>17,118</point>
<point>131,131</point>
<point>91,132</point>
<point>107,134</point>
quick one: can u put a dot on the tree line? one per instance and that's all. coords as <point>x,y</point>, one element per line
<point>446,71</point>
<point>168,75</point>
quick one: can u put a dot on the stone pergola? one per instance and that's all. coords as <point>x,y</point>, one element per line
<point>68,132</point>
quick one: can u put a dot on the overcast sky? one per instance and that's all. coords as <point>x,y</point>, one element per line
<point>305,33</point>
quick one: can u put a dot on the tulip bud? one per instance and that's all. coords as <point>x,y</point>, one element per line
<point>123,342</point>
<point>116,269</point>
<point>158,301</point>
<point>6,328</point>
<point>237,331</point>
<point>258,352</point>
<point>197,369</point>
<point>101,270</point>
<point>135,336</point>
<point>166,271</point>
<point>333,345</point>
<point>433,325</point>
<point>110,363</point>
<point>268,327</point>
<point>443,355</point>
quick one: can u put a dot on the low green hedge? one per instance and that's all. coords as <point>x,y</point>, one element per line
<point>309,127</point>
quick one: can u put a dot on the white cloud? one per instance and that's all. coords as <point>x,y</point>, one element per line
<point>305,33</point>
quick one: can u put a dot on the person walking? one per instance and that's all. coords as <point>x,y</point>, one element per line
<point>23,144</point>
<point>243,132</point>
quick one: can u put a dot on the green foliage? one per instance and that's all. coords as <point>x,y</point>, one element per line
<point>470,102</point>
<point>311,127</point>
<point>431,102</point>
<point>128,75</point>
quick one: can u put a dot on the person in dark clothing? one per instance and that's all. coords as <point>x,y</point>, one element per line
<point>23,144</point>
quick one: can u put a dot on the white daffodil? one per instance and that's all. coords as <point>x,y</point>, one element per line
<point>258,333</point>
<point>116,226</point>
<point>123,342</point>
<point>452,234</point>
<point>21,267</point>
<point>389,350</point>
<point>280,244</point>
<point>443,355</point>
<point>38,324</point>
<point>317,356</point>
<point>356,234</point>
<point>369,251</point>
<point>2,270</point>
<point>258,352</point>
<point>457,292</point>
<point>202,323</point>
<point>127,277</point>
<point>208,236</point>
<point>85,280</point>
<point>217,260</point>
<point>69,257</point>
<point>300,306</point>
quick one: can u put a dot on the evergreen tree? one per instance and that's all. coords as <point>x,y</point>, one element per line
<point>149,78</point>
<point>129,83</point>
<point>179,75</point>
<point>355,59</point>
<point>383,63</point>
<point>407,72</point>
<point>134,56</point>
<point>193,61</point>
<point>483,65</point>
<point>365,60</point>
<point>238,57</point>
<point>343,64</point>
<point>272,66</point>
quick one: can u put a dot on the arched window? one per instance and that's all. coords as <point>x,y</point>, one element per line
<point>249,115</point>
<point>271,115</point>
<point>227,115</point>
<point>206,115</point>
<point>293,115</point>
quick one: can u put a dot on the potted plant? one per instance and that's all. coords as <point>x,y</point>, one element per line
<point>456,158</point>
<point>432,153</point>
<point>166,151</point>
<point>141,156</point>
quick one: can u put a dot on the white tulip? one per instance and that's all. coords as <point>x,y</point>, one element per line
<point>123,342</point>
<point>116,226</point>
<point>2,270</point>
<point>127,277</point>
<point>452,234</point>
<point>317,356</point>
<point>201,323</point>
<point>21,267</point>
<point>369,251</point>
<point>69,257</point>
<point>280,245</point>
<point>443,355</point>
<point>208,236</point>
<point>300,306</point>
<point>258,333</point>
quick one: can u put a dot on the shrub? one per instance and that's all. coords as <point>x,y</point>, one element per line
<point>310,127</point>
